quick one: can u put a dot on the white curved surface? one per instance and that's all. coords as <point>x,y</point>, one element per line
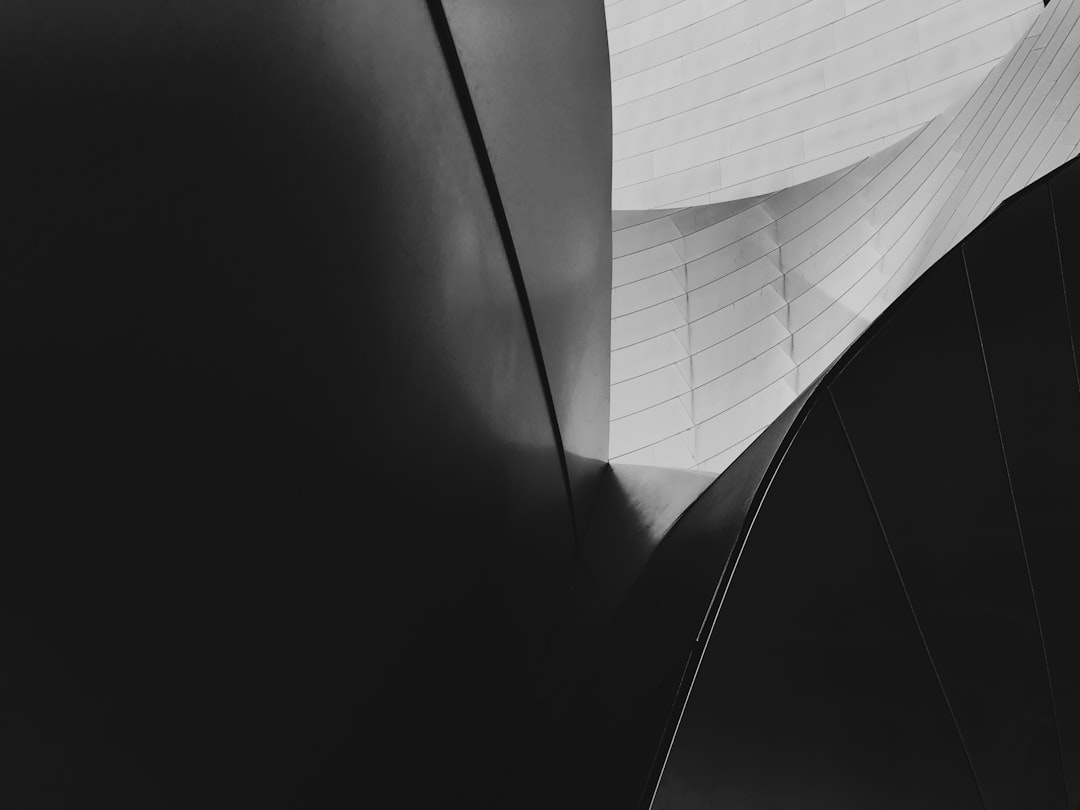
<point>716,100</point>
<point>723,313</point>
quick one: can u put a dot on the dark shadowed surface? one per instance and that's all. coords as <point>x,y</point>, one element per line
<point>286,522</point>
<point>816,691</point>
<point>539,77</point>
<point>1065,190</point>
<point>1062,649</point>
<point>1025,335</point>
<point>632,625</point>
<point>285,519</point>
<point>634,511</point>
<point>945,414</point>
<point>926,438</point>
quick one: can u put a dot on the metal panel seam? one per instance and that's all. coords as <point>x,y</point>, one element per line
<point>907,596</point>
<point>487,171</point>
<point>1016,513</point>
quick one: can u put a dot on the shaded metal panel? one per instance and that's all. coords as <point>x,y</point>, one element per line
<point>635,510</point>
<point>1065,190</point>
<point>718,101</point>
<point>926,438</point>
<point>566,760</point>
<point>722,313</point>
<point>539,78</point>
<point>287,521</point>
<point>641,506</point>
<point>964,550</point>
<point>815,690</point>
<point>634,623</point>
<point>1012,262</point>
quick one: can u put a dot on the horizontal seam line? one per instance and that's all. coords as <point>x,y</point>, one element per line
<point>810,97</point>
<point>801,67</point>
<point>922,240</point>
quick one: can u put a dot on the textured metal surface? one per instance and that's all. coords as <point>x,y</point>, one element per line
<point>723,313</point>
<point>286,524</point>
<point>717,100</point>
<point>538,75</point>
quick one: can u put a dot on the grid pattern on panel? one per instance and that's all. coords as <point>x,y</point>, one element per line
<point>722,314</point>
<point>716,100</point>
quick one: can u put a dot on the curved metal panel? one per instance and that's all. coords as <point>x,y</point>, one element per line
<point>634,617</point>
<point>815,690</point>
<point>538,75</point>
<point>1066,196</point>
<point>721,314</point>
<point>1029,356</point>
<point>716,101</point>
<point>1061,619</point>
<point>956,410</point>
<point>927,439</point>
<point>282,467</point>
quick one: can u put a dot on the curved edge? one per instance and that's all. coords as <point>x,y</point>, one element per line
<point>476,135</point>
<point>819,390</point>
<point>723,312</point>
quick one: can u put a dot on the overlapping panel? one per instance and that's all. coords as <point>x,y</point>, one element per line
<point>911,556</point>
<point>636,611</point>
<point>927,440</point>
<point>573,748</point>
<point>815,690</point>
<point>1029,355</point>
<point>538,76</point>
<point>722,314</point>
<point>720,99</point>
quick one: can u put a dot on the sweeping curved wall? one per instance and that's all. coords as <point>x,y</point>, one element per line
<point>897,625</point>
<point>715,100</point>
<point>722,314</point>
<point>233,573</point>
